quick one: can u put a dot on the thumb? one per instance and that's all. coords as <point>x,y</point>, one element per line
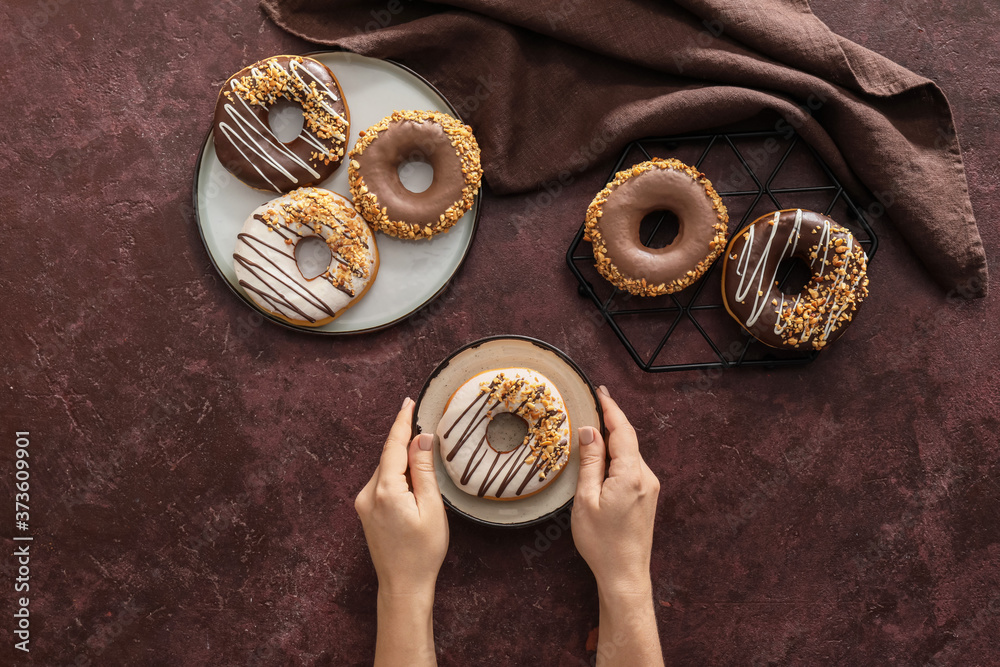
<point>425,484</point>
<point>591,478</point>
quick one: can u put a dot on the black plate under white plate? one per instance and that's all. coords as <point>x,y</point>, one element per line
<point>411,273</point>
<point>510,352</point>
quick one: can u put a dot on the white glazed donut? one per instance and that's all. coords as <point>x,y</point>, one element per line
<point>479,469</point>
<point>269,273</point>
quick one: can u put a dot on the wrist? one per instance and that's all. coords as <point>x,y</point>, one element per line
<point>405,628</point>
<point>627,589</point>
<point>411,598</point>
<point>628,624</point>
<point>626,606</point>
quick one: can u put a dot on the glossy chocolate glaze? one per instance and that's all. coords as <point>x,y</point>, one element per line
<point>247,147</point>
<point>658,190</point>
<point>403,141</point>
<point>828,301</point>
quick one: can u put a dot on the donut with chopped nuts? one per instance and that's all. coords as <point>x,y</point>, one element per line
<point>247,145</point>
<point>820,313</point>
<point>614,217</point>
<point>473,463</point>
<point>273,272</point>
<point>444,142</point>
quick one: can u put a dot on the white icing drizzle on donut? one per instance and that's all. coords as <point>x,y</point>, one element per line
<point>474,465</point>
<point>254,134</point>
<point>787,308</point>
<point>265,264</point>
<point>294,67</point>
<point>242,132</point>
<point>760,293</point>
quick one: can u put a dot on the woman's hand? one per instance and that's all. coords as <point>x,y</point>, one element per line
<point>613,531</point>
<point>407,530</point>
<point>407,534</point>
<point>613,517</point>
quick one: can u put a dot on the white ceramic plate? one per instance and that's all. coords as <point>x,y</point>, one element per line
<point>411,273</point>
<point>510,352</point>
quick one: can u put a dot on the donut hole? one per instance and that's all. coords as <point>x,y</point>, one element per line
<point>285,120</point>
<point>416,173</point>
<point>506,431</point>
<point>793,275</point>
<point>658,229</point>
<point>312,256</point>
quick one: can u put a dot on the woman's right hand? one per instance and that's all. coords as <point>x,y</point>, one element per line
<point>613,531</point>
<point>613,517</point>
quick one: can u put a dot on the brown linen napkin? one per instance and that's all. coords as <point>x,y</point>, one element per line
<point>553,89</point>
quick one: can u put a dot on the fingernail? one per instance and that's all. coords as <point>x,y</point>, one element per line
<point>425,441</point>
<point>406,403</point>
<point>604,390</point>
<point>586,435</point>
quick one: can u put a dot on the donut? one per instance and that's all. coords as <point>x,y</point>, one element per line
<point>445,143</point>
<point>613,219</point>
<point>265,256</point>
<point>820,313</point>
<point>479,469</point>
<point>247,146</point>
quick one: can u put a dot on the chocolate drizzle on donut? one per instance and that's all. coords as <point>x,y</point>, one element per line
<point>267,268</point>
<point>275,283</point>
<point>542,452</point>
<point>818,314</point>
<point>245,142</point>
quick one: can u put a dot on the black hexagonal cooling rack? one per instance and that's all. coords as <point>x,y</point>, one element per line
<point>755,173</point>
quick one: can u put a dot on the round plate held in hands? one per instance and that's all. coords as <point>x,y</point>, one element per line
<point>510,352</point>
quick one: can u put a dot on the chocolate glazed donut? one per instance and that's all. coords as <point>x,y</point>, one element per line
<point>247,146</point>
<point>445,143</point>
<point>820,313</point>
<point>614,216</point>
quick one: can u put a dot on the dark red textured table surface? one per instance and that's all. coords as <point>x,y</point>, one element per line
<point>193,473</point>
